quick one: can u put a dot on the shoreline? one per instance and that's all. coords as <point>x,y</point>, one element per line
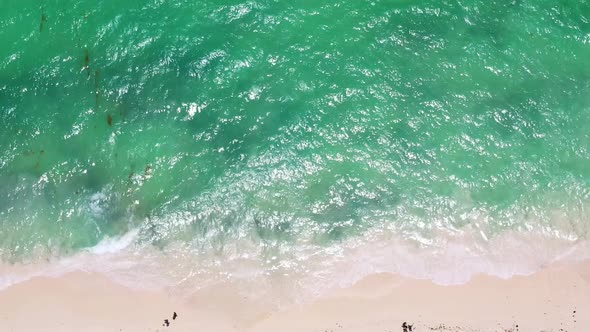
<point>81,301</point>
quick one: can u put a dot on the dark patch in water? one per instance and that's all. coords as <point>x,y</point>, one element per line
<point>43,18</point>
<point>87,62</point>
<point>42,23</point>
<point>109,119</point>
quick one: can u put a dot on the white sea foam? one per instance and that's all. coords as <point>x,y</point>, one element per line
<point>306,270</point>
<point>105,257</point>
<point>114,244</point>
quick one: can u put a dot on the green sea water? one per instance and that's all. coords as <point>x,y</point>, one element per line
<point>287,122</point>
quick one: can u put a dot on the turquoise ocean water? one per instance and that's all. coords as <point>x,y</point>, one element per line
<point>259,128</point>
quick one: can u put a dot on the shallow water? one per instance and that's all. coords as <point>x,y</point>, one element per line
<point>278,131</point>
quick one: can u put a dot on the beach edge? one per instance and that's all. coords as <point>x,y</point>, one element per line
<point>557,298</point>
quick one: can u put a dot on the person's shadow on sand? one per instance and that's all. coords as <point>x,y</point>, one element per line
<point>406,327</point>
<point>167,322</point>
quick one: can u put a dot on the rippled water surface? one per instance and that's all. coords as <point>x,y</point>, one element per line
<point>270,126</point>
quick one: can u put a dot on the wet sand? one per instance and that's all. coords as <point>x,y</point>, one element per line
<point>555,299</point>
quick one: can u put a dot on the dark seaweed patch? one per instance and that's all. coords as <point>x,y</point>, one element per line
<point>43,18</point>
<point>42,23</point>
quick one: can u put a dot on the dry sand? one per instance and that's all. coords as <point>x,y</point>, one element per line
<point>555,299</point>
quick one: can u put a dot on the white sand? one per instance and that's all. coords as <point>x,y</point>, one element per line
<point>88,302</point>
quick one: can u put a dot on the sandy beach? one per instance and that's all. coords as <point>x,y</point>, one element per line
<point>554,299</point>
